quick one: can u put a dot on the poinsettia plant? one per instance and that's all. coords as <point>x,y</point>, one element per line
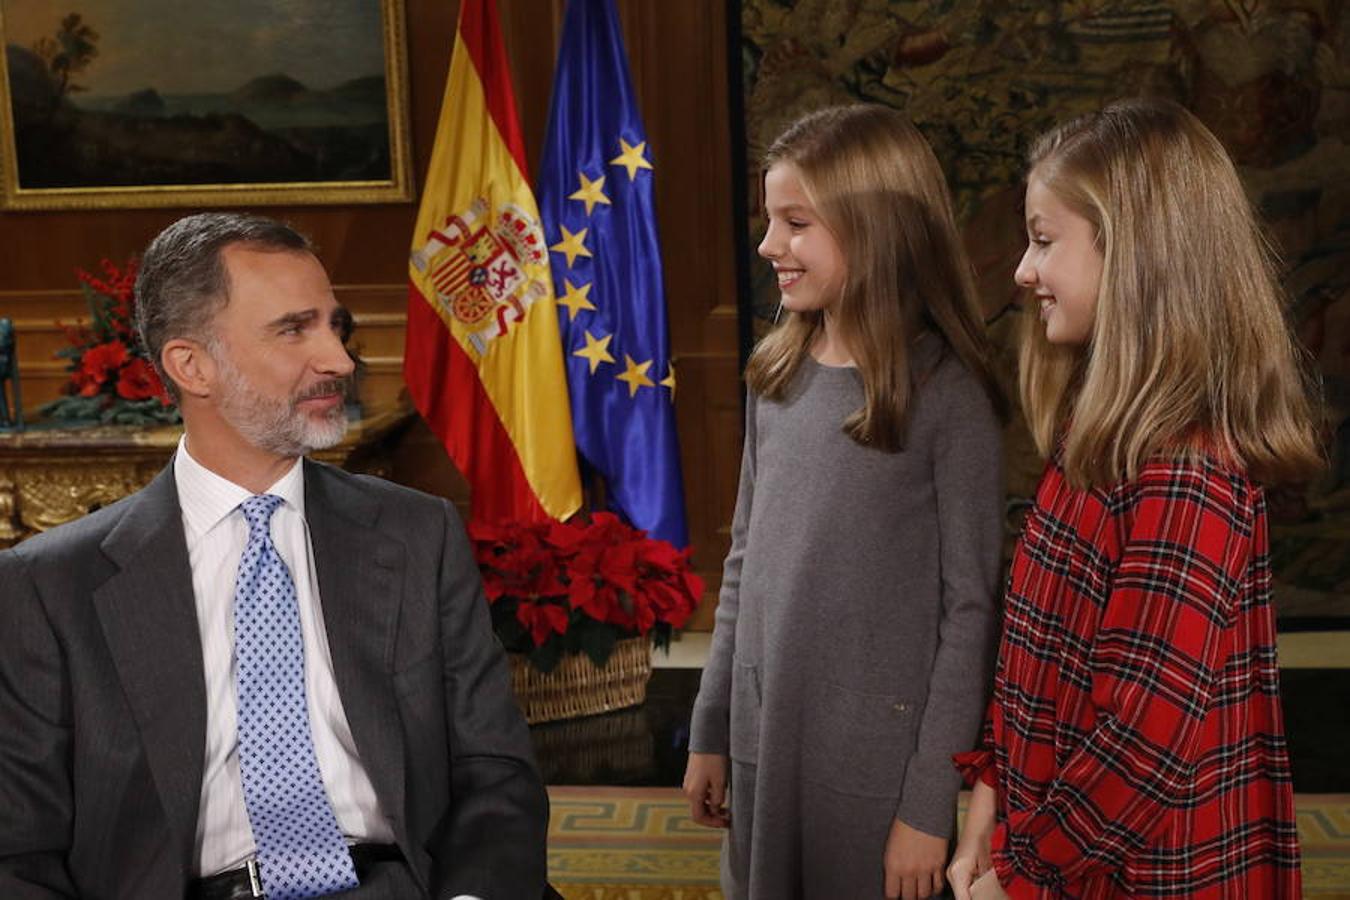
<point>111,378</point>
<point>578,587</point>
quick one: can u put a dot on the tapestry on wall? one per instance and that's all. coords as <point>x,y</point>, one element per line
<point>982,78</point>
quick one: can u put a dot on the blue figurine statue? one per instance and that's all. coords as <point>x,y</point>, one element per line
<point>9,378</point>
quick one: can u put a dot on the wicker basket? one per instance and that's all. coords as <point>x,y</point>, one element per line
<point>577,688</point>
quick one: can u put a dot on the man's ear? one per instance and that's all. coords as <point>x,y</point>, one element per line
<point>189,365</point>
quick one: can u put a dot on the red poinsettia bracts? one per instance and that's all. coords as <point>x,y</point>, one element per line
<point>578,587</point>
<point>138,380</point>
<point>111,378</point>
<point>102,360</point>
<point>542,620</point>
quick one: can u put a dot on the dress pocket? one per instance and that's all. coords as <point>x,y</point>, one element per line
<point>746,699</point>
<point>857,742</point>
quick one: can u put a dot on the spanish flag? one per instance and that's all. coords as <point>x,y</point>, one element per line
<point>483,359</point>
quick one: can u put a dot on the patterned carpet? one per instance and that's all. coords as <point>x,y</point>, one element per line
<point>639,844</point>
<point>609,843</point>
<point>1324,834</point>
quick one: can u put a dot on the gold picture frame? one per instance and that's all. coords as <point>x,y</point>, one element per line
<point>132,137</point>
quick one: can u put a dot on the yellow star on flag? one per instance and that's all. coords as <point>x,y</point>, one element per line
<point>576,298</point>
<point>572,245</point>
<point>596,351</point>
<point>631,158</point>
<point>669,380</point>
<point>635,374</point>
<point>590,192</point>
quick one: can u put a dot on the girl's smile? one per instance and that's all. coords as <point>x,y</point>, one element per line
<point>807,260</point>
<point>1062,266</point>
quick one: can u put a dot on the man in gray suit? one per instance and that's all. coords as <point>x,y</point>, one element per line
<point>260,673</point>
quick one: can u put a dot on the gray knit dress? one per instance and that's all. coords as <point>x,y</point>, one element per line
<point>854,633</point>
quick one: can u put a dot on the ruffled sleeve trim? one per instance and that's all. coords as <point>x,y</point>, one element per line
<point>975,766</point>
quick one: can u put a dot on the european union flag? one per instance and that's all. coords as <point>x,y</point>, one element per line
<point>595,199</point>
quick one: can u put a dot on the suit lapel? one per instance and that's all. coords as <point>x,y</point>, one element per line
<point>149,620</point>
<point>359,590</point>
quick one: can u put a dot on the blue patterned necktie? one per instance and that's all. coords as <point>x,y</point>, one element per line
<point>301,852</point>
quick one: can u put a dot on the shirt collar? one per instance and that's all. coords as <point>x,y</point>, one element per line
<point>206,498</point>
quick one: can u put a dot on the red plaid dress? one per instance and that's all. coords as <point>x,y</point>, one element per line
<point>1135,737</point>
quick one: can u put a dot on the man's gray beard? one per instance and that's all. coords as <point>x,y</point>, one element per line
<point>275,426</point>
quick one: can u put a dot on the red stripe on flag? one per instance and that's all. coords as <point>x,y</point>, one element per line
<point>445,279</point>
<point>482,36</point>
<point>444,387</point>
<point>456,267</point>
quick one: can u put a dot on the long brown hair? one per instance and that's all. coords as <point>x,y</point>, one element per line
<point>877,187</point>
<point>1190,351</point>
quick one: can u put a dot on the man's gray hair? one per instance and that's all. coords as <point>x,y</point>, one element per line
<point>183,282</point>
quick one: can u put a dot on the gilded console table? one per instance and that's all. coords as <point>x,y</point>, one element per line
<point>50,476</point>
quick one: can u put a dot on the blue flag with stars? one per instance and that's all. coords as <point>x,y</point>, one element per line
<point>595,199</point>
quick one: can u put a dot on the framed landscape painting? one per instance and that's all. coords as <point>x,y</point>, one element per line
<point>135,103</point>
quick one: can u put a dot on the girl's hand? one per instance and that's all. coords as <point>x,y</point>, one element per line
<point>705,786</point>
<point>973,856</point>
<point>987,887</point>
<point>913,863</point>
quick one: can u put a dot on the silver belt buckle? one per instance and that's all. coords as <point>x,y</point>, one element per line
<point>254,879</point>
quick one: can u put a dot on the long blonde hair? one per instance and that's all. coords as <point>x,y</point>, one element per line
<point>877,187</point>
<point>1190,351</point>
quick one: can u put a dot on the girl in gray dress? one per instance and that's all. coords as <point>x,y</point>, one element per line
<point>852,645</point>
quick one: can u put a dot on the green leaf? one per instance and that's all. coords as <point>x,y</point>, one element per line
<point>73,407</point>
<point>141,412</point>
<point>571,641</point>
<point>595,639</point>
<point>98,314</point>
<point>510,632</point>
<point>547,657</point>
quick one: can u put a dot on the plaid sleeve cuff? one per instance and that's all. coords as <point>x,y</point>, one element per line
<point>1022,876</point>
<point>975,765</point>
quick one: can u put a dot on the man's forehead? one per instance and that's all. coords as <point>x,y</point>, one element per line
<point>265,291</point>
<point>276,277</point>
<point>245,253</point>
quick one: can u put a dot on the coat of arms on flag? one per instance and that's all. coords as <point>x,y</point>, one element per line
<point>481,269</point>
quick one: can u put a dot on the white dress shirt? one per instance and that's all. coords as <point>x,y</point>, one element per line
<point>216,534</point>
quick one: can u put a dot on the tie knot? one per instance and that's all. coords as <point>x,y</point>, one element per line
<point>258,511</point>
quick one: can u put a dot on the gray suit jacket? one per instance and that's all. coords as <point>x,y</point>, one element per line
<point>103,707</point>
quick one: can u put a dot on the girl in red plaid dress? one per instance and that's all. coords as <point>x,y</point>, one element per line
<point>1135,744</point>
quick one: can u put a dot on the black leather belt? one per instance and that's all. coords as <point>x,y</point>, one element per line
<point>245,883</point>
